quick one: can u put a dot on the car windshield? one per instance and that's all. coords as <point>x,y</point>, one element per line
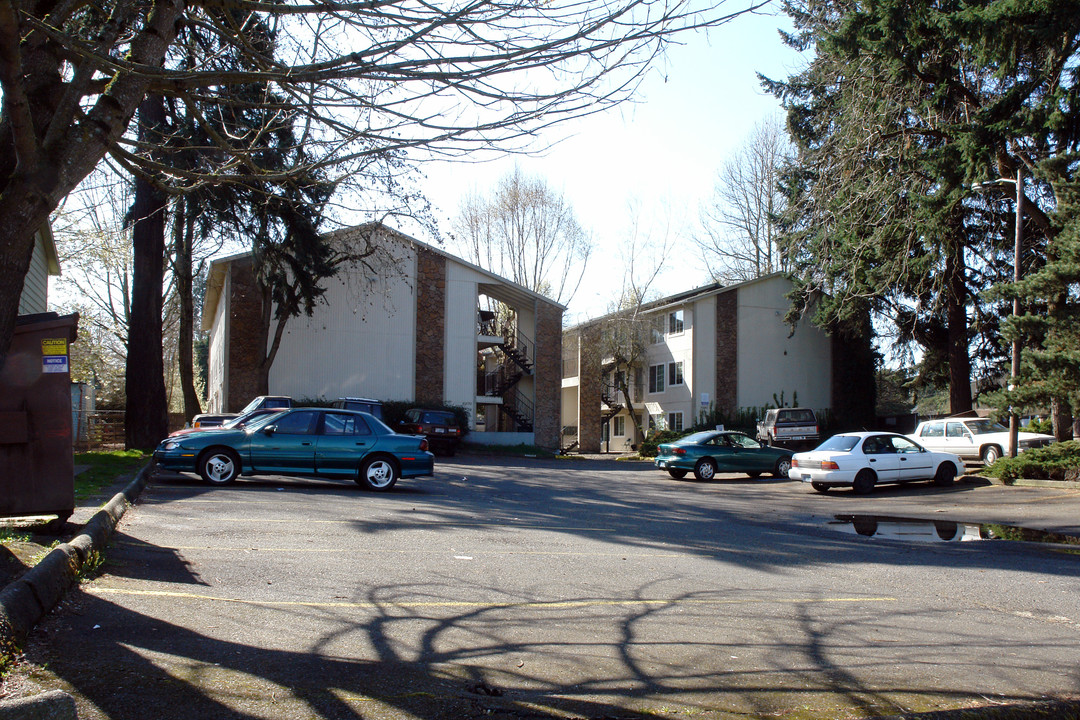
<point>981,427</point>
<point>840,443</point>
<point>261,421</point>
<point>378,426</point>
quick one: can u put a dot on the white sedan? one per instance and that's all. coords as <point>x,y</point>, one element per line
<point>974,438</point>
<point>861,460</point>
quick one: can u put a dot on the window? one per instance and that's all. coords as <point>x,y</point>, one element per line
<point>675,373</point>
<point>674,421</point>
<point>934,430</point>
<point>656,330</point>
<point>675,322</point>
<point>297,423</point>
<point>342,424</point>
<point>955,430</point>
<point>618,425</point>
<point>656,378</point>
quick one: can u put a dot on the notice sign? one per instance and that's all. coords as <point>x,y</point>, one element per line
<point>54,357</point>
<point>54,364</point>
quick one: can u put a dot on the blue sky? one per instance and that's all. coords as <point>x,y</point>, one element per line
<point>661,152</point>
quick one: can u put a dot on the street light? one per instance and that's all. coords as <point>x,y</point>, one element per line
<point>1014,421</point>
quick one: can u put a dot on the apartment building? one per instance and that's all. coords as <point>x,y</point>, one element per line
<point>723,347</point>
<point>421,332</point>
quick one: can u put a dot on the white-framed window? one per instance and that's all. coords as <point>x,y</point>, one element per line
<point>618,425</point>
<point>656,329</point>
<point>675,322</point>
<point>656,378</point>
<point>675,373</point>
<point>674,421</point>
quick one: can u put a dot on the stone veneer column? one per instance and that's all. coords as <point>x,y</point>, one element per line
<point>727,351</point>
<point>590,378</point>
<point>248,332</point>
<point>430,326</point>
<point>547,376</point>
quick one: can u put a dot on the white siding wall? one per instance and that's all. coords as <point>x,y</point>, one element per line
<point>704,352</point>
<point>35,293</point>
<point>677,347</point>
<point>218,372</point>
<point>770,361</point>
<point>459,371</point>
<point>360,342</point>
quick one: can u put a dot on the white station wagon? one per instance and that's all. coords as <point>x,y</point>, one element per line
<point>973,438</point>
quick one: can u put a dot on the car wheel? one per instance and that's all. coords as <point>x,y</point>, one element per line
<point>219,466</point>
<point>945,474</point>
<point>820,487</point>
<point>991,455</point>
<point>783,467</point>
<point>676,473</point>
<point>377,473</point>
<point>705,469</point>
<point>864,482</point>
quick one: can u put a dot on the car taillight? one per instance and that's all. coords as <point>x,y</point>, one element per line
<point>829,465</point>
<point>678,451</point>
<point>794,463</point>
<point>423,444</point>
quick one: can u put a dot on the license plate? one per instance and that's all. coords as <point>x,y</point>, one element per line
<point>440,430</point>
<point>806,478</point>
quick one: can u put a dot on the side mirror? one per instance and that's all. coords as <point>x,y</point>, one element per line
<point>269,430</point>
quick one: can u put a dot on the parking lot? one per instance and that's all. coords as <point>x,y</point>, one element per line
<point>530,588</point>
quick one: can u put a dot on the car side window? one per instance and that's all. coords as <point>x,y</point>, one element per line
<point>954,430</point>
<point>876,445</point>
<point>342,424</point>
<point>934,430</point>
<point>903,445</point>
<point>297,423</point>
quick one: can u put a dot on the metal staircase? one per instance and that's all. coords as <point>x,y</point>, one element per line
<point>518,359</point>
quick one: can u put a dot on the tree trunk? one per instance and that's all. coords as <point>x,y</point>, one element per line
<point>1062,419</point>
<point>956,297</point>
<point>183,242</point>
<point>146,419</point>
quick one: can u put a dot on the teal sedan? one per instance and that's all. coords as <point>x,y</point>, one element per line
<point>307,442</point>
<point>707,453</point>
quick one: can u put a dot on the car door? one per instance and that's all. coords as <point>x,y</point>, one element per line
<point>915,463</point>
<point>286,445</point>
<point>342,442</point>
<point>932,436</point>
<point>748,456</point>
<point>720,449</point>
<point>881,457</point>
<point>959,440</point>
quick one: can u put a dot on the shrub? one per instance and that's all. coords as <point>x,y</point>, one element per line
<point>650,447</point>
<point>1060,461</point>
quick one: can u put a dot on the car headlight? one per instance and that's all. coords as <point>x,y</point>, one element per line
<point>170,445</point>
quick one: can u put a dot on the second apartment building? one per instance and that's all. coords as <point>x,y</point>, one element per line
<point>714,347</point>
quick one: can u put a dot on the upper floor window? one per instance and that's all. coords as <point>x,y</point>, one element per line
<point>656,330</point>
<point>656,378</point>
<point>675,373</point>
<point>675,322</point>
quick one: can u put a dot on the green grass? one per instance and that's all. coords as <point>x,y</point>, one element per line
<point>9,535</point>
<point>105,468</point>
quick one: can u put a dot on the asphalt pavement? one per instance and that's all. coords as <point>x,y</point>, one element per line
<point>589,588</point>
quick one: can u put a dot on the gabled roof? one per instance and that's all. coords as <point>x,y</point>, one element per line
<point>499,288</point>
<point>685,297</point>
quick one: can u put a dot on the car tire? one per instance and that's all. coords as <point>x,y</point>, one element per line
<point>820,487</point>
<point>864,482</point>
<point>219,466</point>
<point>676,473</point>
<point>945,474</point>
<point>783,467</point>
<point>991,454</point>
<point>705,469</point>
<point>378,473</point>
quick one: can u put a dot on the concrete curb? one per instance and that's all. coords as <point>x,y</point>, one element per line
<point>24,602</point>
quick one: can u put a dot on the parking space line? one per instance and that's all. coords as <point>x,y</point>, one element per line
<point>538,605</point>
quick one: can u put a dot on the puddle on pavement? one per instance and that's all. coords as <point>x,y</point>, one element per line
<point>916,530</point>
